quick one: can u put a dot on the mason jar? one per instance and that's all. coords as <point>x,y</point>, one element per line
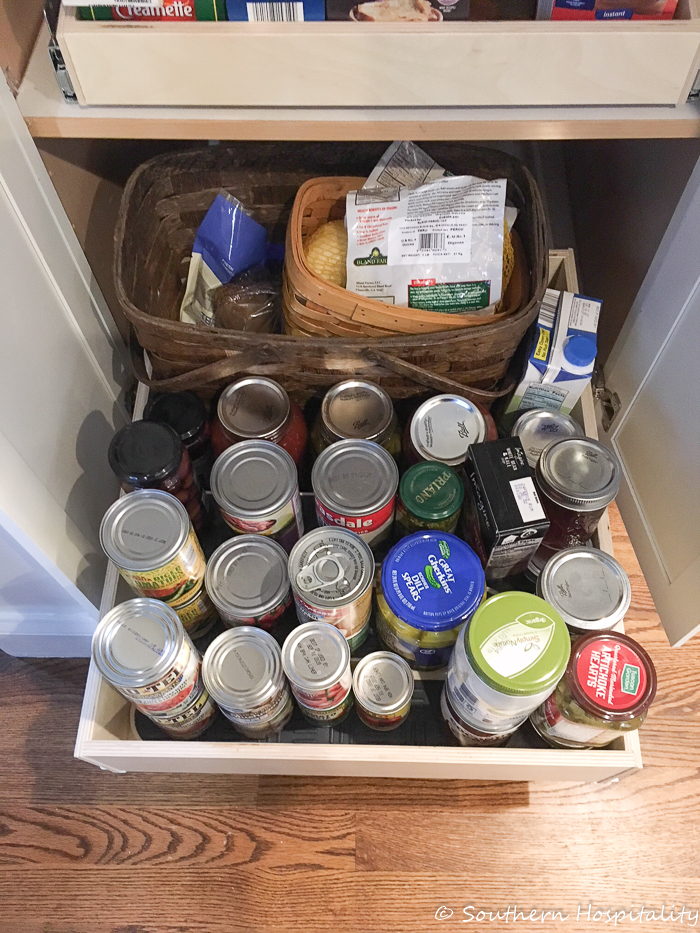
<point>356,409</point>
<point>540,427</point>
<point>444,427</point>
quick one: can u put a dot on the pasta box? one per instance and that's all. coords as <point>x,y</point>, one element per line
<point>166,10</point>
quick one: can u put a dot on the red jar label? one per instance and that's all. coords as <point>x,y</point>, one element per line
<point>611,674</point>
<point>369,525</point>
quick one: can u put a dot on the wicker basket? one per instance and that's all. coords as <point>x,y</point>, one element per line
<point>165,200</point>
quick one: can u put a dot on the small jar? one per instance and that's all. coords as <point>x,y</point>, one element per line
<point>588,588</point>
<point>242,670</point>
<point>256,488</point>
<point>508,660</point>
<point>248,583</point>
<point>356,409</point>
<point>187,415</point>
<point>316,660</point>
<point>148,455</point>
<point>459,724</point>
<point>258,408</point>
<point>383,688</point>
<point>577,479</point>
<point>430,499</point>
<point>431,584</point>
<point>443,428</point>
<point>609,685</point>
<point>540,427</point>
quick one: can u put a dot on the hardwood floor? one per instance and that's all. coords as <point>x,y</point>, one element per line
<point>85,851</point>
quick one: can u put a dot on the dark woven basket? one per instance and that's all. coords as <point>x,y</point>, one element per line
<point>164,203</point>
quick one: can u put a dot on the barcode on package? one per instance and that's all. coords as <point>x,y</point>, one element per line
<point>275,12</point>
<point>527,500</point>
<point>548,308</point>
<point>431,241</point>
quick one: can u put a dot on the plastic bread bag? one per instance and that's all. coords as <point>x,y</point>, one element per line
<point>438,247</point>
<point>228,241</point>
<point>251,302</point>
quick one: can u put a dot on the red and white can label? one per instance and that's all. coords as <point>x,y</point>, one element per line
<point>611,674</point>
<point>371,526</point>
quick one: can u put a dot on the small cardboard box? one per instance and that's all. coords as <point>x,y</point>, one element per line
<point>167,10</point>
<point>609,9</point>
<point>388,11</point>
<point>274,11</point>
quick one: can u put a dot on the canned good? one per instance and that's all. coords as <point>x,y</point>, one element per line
<point>540,427</point>
<point>356,409</point>
<point>608,687</point>
<point>355,484</point>
<point>430,499</point>
<point>198,615</point>
<point>316,660</point>
<point>255,486</point>
<point>463,730</point>
<point>242,670</point>
<point>383,686</point>
<point>331,716</point>
<point>148,535</point>
<point>331,573</point>
<point>508,660</point>
<point>588,588</point>
<point>248,582</point>
<point>141,648</point>
<point>443,428</point>
<point>431,583</point>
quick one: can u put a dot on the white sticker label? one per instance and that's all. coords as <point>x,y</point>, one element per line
<point>515,647</point>
<point>527,500</point>
<point>430,240</point>
<point>584,314</point>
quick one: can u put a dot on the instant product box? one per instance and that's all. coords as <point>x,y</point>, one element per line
<point>606,9</point>
<point>167,10</point>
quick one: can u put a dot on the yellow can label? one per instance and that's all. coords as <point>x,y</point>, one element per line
<point>175,583</point>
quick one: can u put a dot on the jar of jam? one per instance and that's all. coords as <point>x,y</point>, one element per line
<point>430,499</point>
<point>187,415</point>
<point>444,427</point>
<point>608,687</point>
<point>148,455</point>
<point>356,409</point>
<point>463,729</point>
<point>577,479</point>
<point>258,408</point>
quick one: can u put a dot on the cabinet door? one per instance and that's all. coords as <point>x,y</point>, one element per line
<point>655,371</point>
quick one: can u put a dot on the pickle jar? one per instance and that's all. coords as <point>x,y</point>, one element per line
<point>383,688</point>
<point>187,415</point>
<point>443,428</point>
<point>609,685</point>
<point>430,499</point>
<point>431,584</point>
<point>356,409</point>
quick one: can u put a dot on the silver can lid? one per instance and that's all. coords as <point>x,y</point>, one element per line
<point>247,576</point>
<point>242,668</point>
<point>579,474</point>
<point>253,479</point>
<point>144,530</point>
<point>315,655</point>
<point>382,682</point>
<point>357,409</point>
<point>331,567</point>
<point>137,642</point>
<point>253,407</point>
<point>540,427</point>
<point>588,588</point>
<point>355,477</point>
<point>445,426</point>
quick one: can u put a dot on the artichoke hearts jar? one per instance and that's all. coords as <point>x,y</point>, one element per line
<point>383,687</point>
<point>356,409</point>
<point>316,660</point>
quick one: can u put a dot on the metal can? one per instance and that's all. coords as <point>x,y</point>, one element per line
<point>357,408</point>
<point>148,535</point>
<point>255,485</point>
<point>331,572</point>
<point>198,615</point>
<point>242,670</point>
<point>355,485</point>
<point>316,660</point>
<point>248,582</point>
<point>141,648</point>
<point>540,427</point>
<point>383,688</point>
<point>443,429</point>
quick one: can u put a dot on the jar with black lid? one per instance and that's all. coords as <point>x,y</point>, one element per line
<point>188,416</point>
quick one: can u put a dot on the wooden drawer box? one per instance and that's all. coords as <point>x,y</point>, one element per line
<point>106,736</point>
<point>497,64</point>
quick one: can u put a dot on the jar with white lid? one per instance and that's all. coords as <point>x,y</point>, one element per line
<point>444,427</point>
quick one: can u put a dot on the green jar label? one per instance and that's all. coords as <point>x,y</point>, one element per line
<point>431,491</point>
<point>629,682</point>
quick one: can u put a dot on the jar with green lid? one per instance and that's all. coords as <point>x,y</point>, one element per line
<point>356,410</point>
<point>608,687</point>
<point>430,499</point>
<point>508,660</point>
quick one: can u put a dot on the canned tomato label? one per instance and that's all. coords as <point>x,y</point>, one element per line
<point>180,686</point>
<point>190,722</point>
<point>330,715</point>
<point>198,615</point>
<point>316,660</point>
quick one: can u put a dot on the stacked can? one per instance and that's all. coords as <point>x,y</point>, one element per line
<point>316,660</point>
<point>141,648</point>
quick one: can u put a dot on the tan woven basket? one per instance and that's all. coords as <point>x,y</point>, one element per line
<point>164,202</point>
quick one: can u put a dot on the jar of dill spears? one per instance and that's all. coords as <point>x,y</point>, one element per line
<point>431,584</point>
<point>430,499</point>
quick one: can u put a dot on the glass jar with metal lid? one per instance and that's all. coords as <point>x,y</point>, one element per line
<point>148,535</point>
<point>256,488</point>
<point>248,582</point>
<point>508,660</point>
<point>258,408</point>
<point>316,660</point>
<point>356,409</point>
<point>431,584</point>
<point>459,723</point>
<point>355,484</point>
<point>242,670</point>
<point>609,685</point>
<point>444,427</point>
<point>540,427</point>
<point>588,588</point>
<point>383,687</point>
<point>141,649</point>
<point>331,572</point>
<point>187,415</point>
<point>430,498</point>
